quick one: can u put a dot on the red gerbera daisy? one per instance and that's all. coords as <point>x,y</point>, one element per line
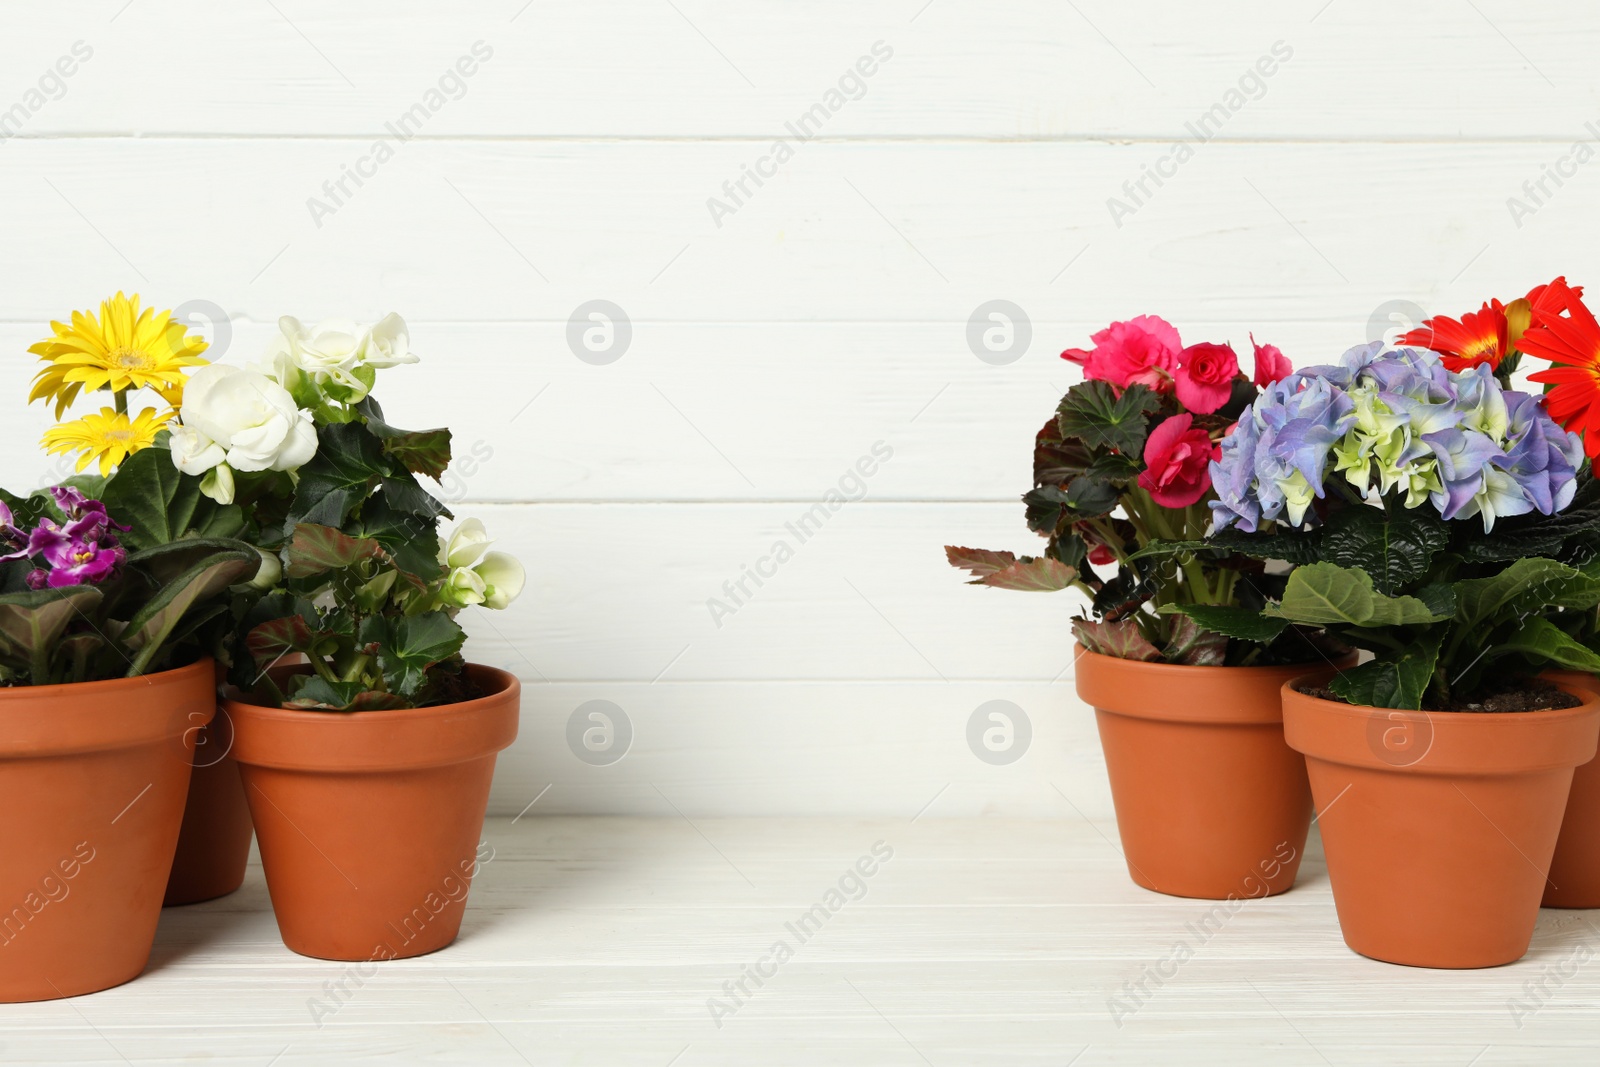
<point>1480,336</point>
<point>1565,332</point>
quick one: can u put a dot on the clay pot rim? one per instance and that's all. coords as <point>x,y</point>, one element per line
<point>107,715</point>
<point>106,686</point>
<point>380,742</point>
<point>1221,696</point>
<point>1530,728</point>
<point>502,681</point>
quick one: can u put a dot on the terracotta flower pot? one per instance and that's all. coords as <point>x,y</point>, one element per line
<point>1439,826</point>
<point>369,822</point>
<point>1210,801</point>
<point>214,843</point>
<point>92,781</point>
<point>1574,880</point>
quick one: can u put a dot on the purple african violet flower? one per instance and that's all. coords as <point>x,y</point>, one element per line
<point>83,550</point>
<point>81,562</point>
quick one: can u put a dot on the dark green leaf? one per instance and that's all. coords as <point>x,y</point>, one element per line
<point>150,627</point>
<point>419,451</point>
<point>408,646</point>
<point>346,469</point>
<point>168,561</point>
<point>411,540</point>
<point>1241,623</point>
<point>159,503</point>
<point>1122,595</point>
<point>1089,496</point>
<point>1093,413</point>
<point>1395,548</point>
<point>1394,679</point>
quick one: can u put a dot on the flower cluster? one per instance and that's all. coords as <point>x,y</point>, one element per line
<point>82,549</point>
<point>123,350</point>
<point>473,574</point>
<point>1146,351</point>
<point>1396,423</point>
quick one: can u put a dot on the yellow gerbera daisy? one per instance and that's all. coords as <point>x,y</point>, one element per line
<point>109,436</point>
<point>124,348</point>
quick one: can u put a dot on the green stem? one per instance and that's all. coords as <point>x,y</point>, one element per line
<point>325,672</point>
<point>40,657</point>
<point>121,396</point>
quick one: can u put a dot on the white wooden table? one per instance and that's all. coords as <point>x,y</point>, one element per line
<point>600,941</point>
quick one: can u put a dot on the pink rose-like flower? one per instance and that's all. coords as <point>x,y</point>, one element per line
<point>1271,364</point>
<point>1142,351</point>
<point>1176,461</point>
<point>1205,377</point>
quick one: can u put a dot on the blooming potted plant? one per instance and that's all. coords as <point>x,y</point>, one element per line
<point>1436,516</point>
<point>1210,801</point>
<point>367,767</point>
<point>1560,328</point>
<point>104,680</point>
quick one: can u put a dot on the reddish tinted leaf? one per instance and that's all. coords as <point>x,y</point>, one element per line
<point>1124,639</point>
<point>317,549</point>
<point>980,561</point>
<point>1041,575</point>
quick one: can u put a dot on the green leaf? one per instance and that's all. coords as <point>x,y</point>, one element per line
<point>1393,680</point>
<point>160,504</point>
<point>316,693</point>
<point>419,451</point>
<point>1123,640</point>
<point>1396,548</point>
<point>1191,644</point>
<point>412,540</point>
<point>1526,587</point>
<point>1123,595</point>
<point>1241,623</point>
<point>167,562</point>
<point>348,466</point>
<point>32,622</point>
<point>315,549</point>
<point>148,630</point>
<point>1291,546</point>
<point>1543,643</point>
<point>1325,594</point>
<point>1093,413</point>
<point>1089,496</point>
<point>407,647</point>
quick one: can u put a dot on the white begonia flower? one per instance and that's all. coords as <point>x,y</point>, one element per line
<point>503,579</point>
<point>466,545</point>
<point>338,353</point>
<point>247,417</point>
<point>387,343</point>
<point>463,588</point>
<point>193,452</point>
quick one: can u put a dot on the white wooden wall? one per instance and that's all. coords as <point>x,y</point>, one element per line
<point>775,346</point>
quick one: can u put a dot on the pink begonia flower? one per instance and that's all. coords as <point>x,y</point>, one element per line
<point>1142,351</point>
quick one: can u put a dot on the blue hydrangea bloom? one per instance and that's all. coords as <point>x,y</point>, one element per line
<point>1393,422</point>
